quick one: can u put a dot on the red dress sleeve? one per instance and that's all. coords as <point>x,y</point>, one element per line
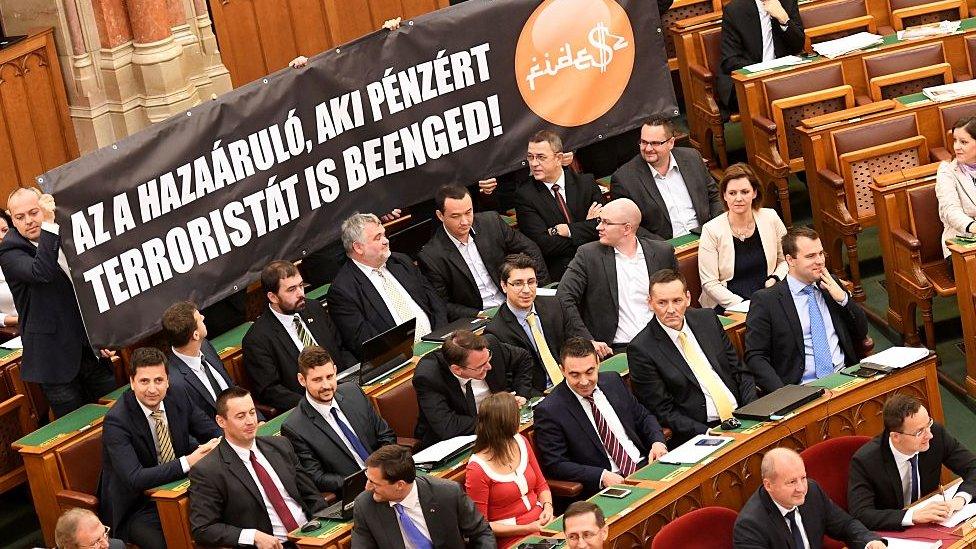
<point>478,486</point>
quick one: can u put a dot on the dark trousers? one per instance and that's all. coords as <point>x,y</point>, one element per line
<point>94,380</point>
<point>145,529</point>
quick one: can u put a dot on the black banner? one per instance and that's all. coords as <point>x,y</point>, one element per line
<point>193,207</point>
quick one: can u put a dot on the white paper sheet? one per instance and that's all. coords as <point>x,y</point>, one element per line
<point>442,449</point>
<point>785,61</point>
<point>847,44</point>
<point>895,543</point>
<point>739,308</point>
<point>545,291</point>
<point>898,357</point>
<point>691,452</point>
<point>14,343</point>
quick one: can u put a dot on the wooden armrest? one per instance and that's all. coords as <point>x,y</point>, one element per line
<point>865,347</point>
<point>411,443</point>
<point>700,72</point>
<point>906,240</point>
<point>68,499</point>
<point>885,30</point>
<point>862,100</point>
<point>940,154</point>
<point>329,497</point>
<point>831,178</point>
<point>764,124</point>
<point>847,114</point>
<point>712,17</point>
<point>564,488</point>
<point>929,7</point>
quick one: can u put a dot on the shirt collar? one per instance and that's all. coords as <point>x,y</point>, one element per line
<point>147,412</point>
<point>782,510</point>
<point>458,243</point>
<point>412,499</point>
<point>672,166</point>
<point>519,314</point>
<point>899,457</point>
<point>366,269</point>
<point>243,453</point>
<point>286,320</point>
<point>582,399</point>
<point>194,362</point>
<point>637,255</point>
<point>672,333</point>
<point>324,409</point>
<point>561,181</point>
<point>795,285</point>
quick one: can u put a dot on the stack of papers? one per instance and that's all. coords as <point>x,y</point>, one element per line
<point>835,48</point>
<point>941,28</point>
<point>695,450</point>
<point>786,61</point>
<point>968,511</point>
<point>897,357</point>
<point>742,307</point>
<point>948,92</point>
<point>442,449</point>
<point>895,543</point>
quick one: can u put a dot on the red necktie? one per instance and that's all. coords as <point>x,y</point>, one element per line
<point>616,450</point>
<point>562,203</point>
<point>274,496</point>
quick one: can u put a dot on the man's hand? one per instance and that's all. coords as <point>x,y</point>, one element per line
<point>562,230</point>
<point>594,212</point>
<point>298,62</point>
<point>106,353</point>
<point>201,451</point>
<point>602,349</point>
<point>828,283</point>
<point>11,320</point>
<point>609,479</point>
<point>487,186</point>
<point>875,545</point>
<point>392,24</point>
<point>658,449</point>
<point>566,158</point>
<point>520,400</point>
<point>265,541</point>
<point>395,214</point>
<point>937,511</point>
<point>957,503</point>
<point>546,516</point>
<point>46,202</point>
<point>776,11</point>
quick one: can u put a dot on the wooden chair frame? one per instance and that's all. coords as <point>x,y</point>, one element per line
<point>778,106</point>
<point>716,8</point>
<point>864,21</point>
<point>878,82</point>
<point>898,16</point>
<point>21,405</point>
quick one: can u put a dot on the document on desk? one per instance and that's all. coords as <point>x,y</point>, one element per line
<point>442,449</point>
<point>895,543</point>
<point>695,450</point>
<point>14,343</point>
<point>968,511</point>
<point>779,62</point>
<point>948,92</point>
<point>742,307</point>
<point>835,48</point>
<point>898,357</point>
<point>545,291</point>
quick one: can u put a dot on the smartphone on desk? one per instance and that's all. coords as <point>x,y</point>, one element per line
<point>615,492</point>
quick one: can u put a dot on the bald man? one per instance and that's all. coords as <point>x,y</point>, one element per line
<point>606,283</point>
<point>791,511</point>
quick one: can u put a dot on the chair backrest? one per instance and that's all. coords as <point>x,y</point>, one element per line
<point>827,462</point>
<point>927,227</point>
<point>688,266</point>
<point>906,71</point>
<point>705,528</point>
<point>711,48</point>
<point>804,94</point>
<point>970,42</point>
<point>824,21</point>
<point>950,114</point>
<point>398,406</point>
<point>81,463</point>
<point>683,9</point>
<point>15,422</point>
<point>909,13</point>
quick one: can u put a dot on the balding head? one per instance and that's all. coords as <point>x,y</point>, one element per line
<point>621,219</point>
<point>784,477</point>
<point>24,208</point>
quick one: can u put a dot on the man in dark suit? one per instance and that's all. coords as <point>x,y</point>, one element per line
<point>903,464</point>
<point>683,366</point>
<point>290,323</point>
<point>451,382</point>
<point>194,365</point>
<point>539,324</point>
<point>378,290</point>
<point>335,427</point>
<point>57,353</point>
<point>806,326</point>
<point>227,507</point>
<point>151,436</point>
<point>752,32</point>
<point>400,509</point>
<point>558,211</point>
<point>672,187</point>
<point>607,280</point>
<point>462,262</point>
<point>79,528</point>
<point>790,511</point>
<point>568,425</point>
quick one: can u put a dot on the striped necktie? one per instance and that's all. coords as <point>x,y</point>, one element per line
<point>610,442</point>
<point>163,439</point>
<point>303,334</point>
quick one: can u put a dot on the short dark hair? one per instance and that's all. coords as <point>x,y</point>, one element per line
<point>550,137</point>
<point>896,409</point>
<point>967,123</point>
<point>459,345</point>
<point>658,121</point>
<point>577,347</point>
<point>452,191</point>
<point>313,356</point>
<point>741,170</point>
<point>395,462</point>
<point>665,276</point>
<point>791,236</point>
<point>517,261</point>
<point>227,394</point>
<point>273,272</point>
<point>179,323</point>
<point>578,508</point>
<point>143,357</point>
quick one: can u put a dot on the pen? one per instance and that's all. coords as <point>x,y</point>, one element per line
<point>942,491</point>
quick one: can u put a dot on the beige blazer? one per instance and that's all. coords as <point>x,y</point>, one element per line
<point>716,255</point>
<point>957,201</point>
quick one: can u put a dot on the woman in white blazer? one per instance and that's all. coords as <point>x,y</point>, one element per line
<point>740,251</point>
<point>955,187</point>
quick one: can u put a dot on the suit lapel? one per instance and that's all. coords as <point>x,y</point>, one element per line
<point>548,202</point>
<point>193,380</point>
<point>649,187</point>
<point>696,191</point>
<point>778,522</point>
<point>214,359</point>
<point>512,325</point>
<point>575,408</point>
<point>890,468</point>
<point>324,426</point>
<point>552,326</point>
<point>372,296</point>
<point>358,422</point>
<point>792,317</point>
<point>454,257</point>
<point>576,196</point>
<point>237,468</point>
<point>281,468</point>
<point>431,510</point>
<point>285,341</point>
<point>671,352</point>
<point>141,425</point>
<point>753,31</point>
<point>610,271</point>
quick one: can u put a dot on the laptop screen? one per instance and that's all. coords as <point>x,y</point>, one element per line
<point>387,351</point>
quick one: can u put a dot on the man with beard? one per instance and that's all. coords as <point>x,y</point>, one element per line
<point>290,324</point>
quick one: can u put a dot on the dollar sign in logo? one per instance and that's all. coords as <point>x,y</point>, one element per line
<point>598,38</point>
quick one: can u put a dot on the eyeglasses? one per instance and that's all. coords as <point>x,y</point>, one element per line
<point>481,366</point>
<point>655,144</point>
<point>602,221</point>
<point>98,541</point>
<point>530,158</point>
<point>922,431</point>
<point>519,284</point>
<point>585,536</point>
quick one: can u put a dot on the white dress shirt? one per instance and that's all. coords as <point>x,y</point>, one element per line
<point>766,24</point>
<point>613,422</point>
<point>277,527</point>
<point>152,430</point>
<point>800,300</point>
<point>423,323</point>
<point>411,505</point>
<point>478,386</point>
<point>561,181</point>
<point>288,321</point>
<point>710,410</point>
<point>491,296</point>
<point>902,461</point>
<point>196,366</point>
<point>325,410</point>
<point>676,197</point>
<point>799,522</point>
<point>633,314</point>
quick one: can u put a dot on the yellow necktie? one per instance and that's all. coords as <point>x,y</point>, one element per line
<point>548,361</point>
<point>703,371</point>
<point>166,454</point>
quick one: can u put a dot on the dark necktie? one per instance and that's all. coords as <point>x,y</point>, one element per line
<point>562,203</point>
<point>210,377</point>
<point>350,435</point>
<point>273,495</point>
<point>795,529</point>
<point>914,483</point>
<point>613,446</point>
<point>469,398</point>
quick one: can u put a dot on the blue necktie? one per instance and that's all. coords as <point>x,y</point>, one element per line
<point>357,444</point>
<point>417,538</point>
<point>795,529</point>
<point>823,364</point>
<point>914,462</point>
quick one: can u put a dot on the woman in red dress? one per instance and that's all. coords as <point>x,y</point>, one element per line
<point>503,477</point>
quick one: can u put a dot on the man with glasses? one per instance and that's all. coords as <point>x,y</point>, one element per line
<point>671,186</point>
<point>607,280</point>
<point>80,529</point>
<point>558,211</point>
<point>451,382</point>
<point>585,526</point>
<point>903,464</point>
<point>806,326</point>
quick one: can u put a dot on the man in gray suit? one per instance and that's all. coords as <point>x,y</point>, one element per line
<point>671,186</point>
<point>400,509</point>
<point>607,280</point>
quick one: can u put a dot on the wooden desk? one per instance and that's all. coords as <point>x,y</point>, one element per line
<point>964,266</point>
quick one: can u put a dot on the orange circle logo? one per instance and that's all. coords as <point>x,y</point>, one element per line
<point>574,59</point>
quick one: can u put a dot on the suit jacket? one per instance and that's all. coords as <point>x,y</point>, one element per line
<point>50,322</point>
<point>182,378</point>
<point>761,526</point>
<point>742,42</point>
<point>224,499</point>
<point>874,494</point>
<point>957,201</point>
<point>321,451</point>
<point>635,181</point>
<point>558,325</point>
<point>271,356</point>
<point>590,283</point>
<point>130,465</point>
<point>774,348</point>
<point>451,517</point>
<point>570,449</point>
<point>444,267</point>
<point>443,406</point>
<point>664,383</point>
<point>716,256</point>
<point>360,312</point>
<point>537,211</point>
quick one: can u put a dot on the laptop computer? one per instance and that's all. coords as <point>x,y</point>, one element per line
<point>442,333</point>
<point>387,352</point>
<point>779,402</point>
<point>352,486</point>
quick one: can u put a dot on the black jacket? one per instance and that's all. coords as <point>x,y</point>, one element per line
<point>182,378</point>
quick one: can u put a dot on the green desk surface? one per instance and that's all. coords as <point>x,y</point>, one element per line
<point>689,238</point>
<point>838,379</point>
<point>725,320</point>
<point>76,421</point>
<point>610,506</point>
<point>965,243</point>
<point>616,363</point>
<point>912,98</point>
<point>4,352</point>
<point>748,425</point>
<point>510,220</point>
<point>490,312</point>
<point>273,427</point>
<point>421,348</point>
<point>231,338</point>
<point>318,293</point>
<point>536,539</point>
<point>658,471</point>
<point>116,394</point>
<point>324,531</point>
